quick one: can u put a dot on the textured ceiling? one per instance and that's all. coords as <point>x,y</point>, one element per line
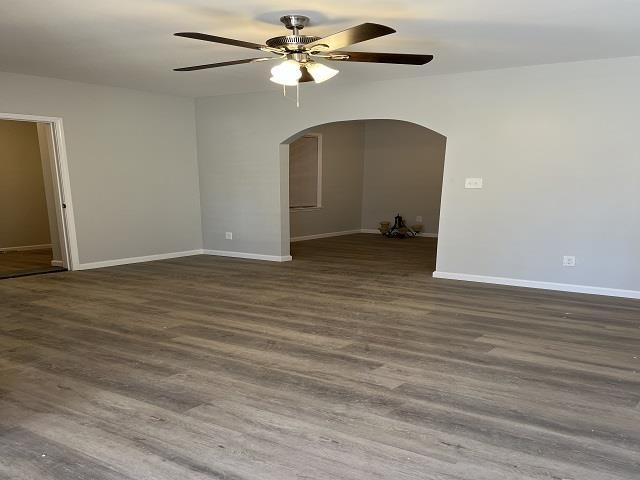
<point>129,43</point>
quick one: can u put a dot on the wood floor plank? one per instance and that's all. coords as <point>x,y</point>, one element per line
<point>25,455</point>
<point>351,362</point>
<point>26,262</point>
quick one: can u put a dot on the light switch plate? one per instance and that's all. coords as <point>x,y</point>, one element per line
<point>228,236</point>
<point>473,183</point>
<point>568,261</point>
<point>419,219</point>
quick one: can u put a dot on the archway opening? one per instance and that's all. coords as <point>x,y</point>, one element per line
<point>347,177</point>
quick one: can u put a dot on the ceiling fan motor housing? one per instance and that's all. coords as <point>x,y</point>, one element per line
<point>294,42</point>
<point>291,42</point>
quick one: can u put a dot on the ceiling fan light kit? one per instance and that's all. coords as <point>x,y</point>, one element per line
<point>300,52</point>
<point>321,73</point>
<point>287,73</point>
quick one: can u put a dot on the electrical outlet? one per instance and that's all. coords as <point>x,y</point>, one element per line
<point>473,183</point>
<point>568,261</point>
<point>419,219</point>
<point>228,236</point>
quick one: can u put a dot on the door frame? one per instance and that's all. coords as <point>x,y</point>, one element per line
<point>64,205</point>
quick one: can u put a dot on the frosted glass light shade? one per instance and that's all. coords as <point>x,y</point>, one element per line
<point>321,73</point>
<point>286,73</point>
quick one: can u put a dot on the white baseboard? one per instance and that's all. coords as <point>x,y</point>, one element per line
<point>251,256</point>
<point>126,261</point>
<point>422,234</point>
<point>561,287</point>
<point>25,248</point>
<point>188,253</point>
<point>324,235</point>
<point>57,263</point>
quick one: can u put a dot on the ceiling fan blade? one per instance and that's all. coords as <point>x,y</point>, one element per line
<point>223,64</point>
<point>373,57</point>
<point>350,36</point>
<point>225,41</point>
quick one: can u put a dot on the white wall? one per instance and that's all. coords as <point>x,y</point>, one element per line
<point>132,163</point>
<point>403,169</point>
<point>342,175</point>
<point>555,144</point>
<point>23,208</point>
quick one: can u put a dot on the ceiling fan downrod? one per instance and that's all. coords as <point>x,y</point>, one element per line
<point>295,23</point>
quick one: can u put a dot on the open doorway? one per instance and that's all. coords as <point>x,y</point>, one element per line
<point>33,225</point>
<point>345,178</point>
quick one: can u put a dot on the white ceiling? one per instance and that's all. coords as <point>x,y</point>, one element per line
<point>129,43</point>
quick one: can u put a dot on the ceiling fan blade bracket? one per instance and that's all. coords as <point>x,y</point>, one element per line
<point>336,57</point>
<point>267,59</point>
<point>278,51</point>
<point>376,57</point>
<point>320,48</point>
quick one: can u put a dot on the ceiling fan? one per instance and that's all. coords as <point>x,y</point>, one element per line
<point>301,52</point>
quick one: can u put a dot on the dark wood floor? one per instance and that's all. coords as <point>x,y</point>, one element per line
<point>27,262</point>
<point>350,362</point>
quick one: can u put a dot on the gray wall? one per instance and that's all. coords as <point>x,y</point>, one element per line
<point>132,163</point>
<point>373,170</point>
<point>403,170</point>
<point>342,173</point>
<point>555,144</point>
<point>24,221</point>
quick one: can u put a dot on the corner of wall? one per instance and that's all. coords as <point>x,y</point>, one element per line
<point>199,177</point>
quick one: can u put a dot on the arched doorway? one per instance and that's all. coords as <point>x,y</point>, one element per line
<point>346,177</point>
